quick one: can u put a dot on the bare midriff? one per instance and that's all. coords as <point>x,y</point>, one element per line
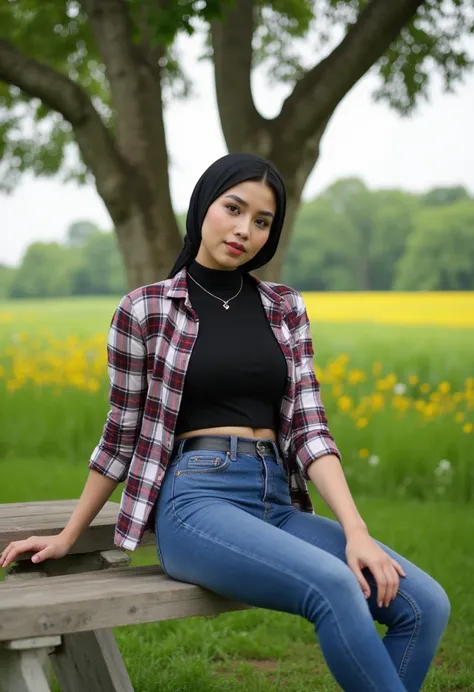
<point>253,433</point>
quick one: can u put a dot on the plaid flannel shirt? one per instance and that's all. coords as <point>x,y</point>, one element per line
<point>150,341</point>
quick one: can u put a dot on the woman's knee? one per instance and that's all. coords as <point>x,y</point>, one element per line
<point>438,606</point>
<point>430,601</point>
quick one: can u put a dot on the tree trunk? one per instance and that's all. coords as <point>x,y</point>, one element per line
<point>295,165</point>
<point>130,169</point>
<point>148,255</point>
<point>291,140</point>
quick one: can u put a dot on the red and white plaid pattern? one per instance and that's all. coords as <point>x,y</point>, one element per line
<point>150,341</point>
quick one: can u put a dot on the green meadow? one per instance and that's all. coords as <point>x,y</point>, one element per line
<point>400,402</point>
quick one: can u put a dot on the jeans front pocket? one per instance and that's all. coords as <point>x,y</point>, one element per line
<point>203,461</point>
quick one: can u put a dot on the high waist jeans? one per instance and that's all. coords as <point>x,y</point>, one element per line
<point>224,521</point>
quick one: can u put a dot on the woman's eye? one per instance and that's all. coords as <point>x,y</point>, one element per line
<point>232,207</point>
<point>263,223</point>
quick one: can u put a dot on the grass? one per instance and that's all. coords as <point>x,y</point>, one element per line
<point>46,439</point>
<point>265,650</point>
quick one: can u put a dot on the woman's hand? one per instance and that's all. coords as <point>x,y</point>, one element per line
<point>43,547</point>
<point>362,551</point>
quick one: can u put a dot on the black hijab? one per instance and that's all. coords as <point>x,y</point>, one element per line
<point>223,174</point>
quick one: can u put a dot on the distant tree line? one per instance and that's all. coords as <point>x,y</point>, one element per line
<point>348,238</point>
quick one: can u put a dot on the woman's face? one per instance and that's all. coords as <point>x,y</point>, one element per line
<point>241,216</point>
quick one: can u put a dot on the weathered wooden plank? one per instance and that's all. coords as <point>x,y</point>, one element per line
<point>21,520</point>
<point>112,598</point>
<point>46,643</point>
<point>21,671</point>
<point>90,661</point>
<point>12,509</point>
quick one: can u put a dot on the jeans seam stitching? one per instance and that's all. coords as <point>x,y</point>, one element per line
<point>411,643</point>
<point>289,572</point>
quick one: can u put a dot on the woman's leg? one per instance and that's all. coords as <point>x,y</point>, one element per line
<point>416,618</point>
<point>206,538</point>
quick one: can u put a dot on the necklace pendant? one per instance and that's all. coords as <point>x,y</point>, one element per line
<point>226,306</point>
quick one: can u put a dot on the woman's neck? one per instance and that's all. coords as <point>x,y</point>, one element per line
<point>215,278</point>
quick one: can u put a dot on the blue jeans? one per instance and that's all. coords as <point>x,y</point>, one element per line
<point>224,521</point>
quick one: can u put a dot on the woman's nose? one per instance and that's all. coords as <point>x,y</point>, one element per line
<point>243,228</point>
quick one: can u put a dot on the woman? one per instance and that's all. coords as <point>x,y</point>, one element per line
<point>216,424</point>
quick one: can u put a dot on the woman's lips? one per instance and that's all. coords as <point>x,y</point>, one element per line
<point>234,250</point>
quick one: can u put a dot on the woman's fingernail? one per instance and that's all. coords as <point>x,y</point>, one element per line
<point>379,604</point>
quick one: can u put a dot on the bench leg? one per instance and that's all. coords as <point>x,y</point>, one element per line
<point>22,670</point>
<point>90,661</point>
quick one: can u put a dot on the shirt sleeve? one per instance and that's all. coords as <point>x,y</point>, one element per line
<point>127,368</point>
<point>311,435</point>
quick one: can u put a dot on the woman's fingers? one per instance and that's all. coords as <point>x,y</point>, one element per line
<point>392,583</point>
<point>16,548</point>
<point>388,583</point>
<point>399,568</point>
<point>364,585</point>
<point>381,581</point>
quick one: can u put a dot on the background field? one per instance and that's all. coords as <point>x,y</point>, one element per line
<point>400,401</point>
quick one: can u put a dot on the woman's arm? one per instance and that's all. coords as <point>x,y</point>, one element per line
<point>97,490</point>
<point>361,550</point>
<point>327,475</point>
<point>127,368</point>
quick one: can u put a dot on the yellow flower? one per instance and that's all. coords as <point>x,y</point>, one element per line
<point>430,410</point>
<point>345,403</point>
<point>377,401</point>
<point>355,376</point>
<point>362,423</point>
<point>444,387</point>
<point>387,383</point>
<point>425,388</point>
<point>402,403</point>
<point>413,379</point>
<point>377,368</point>
<point>459,417</point>
<point>467,427</point>
<point>363,453</point>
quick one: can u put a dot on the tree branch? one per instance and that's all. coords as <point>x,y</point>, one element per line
<point>319,91</point>
<point>61,94</point>
<point>232,43</point>
<point>136,95</point>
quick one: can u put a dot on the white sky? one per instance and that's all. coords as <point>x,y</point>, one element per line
<point>433,147</point>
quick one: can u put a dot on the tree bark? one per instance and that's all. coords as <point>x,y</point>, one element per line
<point>130,169</point>
<point>292,140</point>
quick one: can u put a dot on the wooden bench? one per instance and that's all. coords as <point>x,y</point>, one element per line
<point>67,617</point>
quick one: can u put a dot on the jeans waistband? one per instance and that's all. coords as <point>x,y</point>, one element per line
<point>228,443</point>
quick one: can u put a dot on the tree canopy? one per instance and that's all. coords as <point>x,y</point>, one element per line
<point>347,238</point>
<point>97,73</point>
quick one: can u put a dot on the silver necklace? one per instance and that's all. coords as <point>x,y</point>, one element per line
<point>225,302</point>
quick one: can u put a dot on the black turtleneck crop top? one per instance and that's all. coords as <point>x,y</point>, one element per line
<point>237,371</point>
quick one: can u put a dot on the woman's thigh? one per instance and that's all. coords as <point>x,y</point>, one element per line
<point>218,545</point>
<point>418,591</point>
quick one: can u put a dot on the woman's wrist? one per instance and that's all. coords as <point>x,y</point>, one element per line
<point>352,530</point>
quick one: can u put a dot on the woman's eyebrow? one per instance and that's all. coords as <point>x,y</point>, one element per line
<point>246,204</point>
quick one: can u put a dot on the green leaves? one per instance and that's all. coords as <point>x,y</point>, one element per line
<point>432,41</point>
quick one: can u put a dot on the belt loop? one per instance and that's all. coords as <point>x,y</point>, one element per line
<point>275,449</point>
<point>233,447</point>
<point>180,447</point>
